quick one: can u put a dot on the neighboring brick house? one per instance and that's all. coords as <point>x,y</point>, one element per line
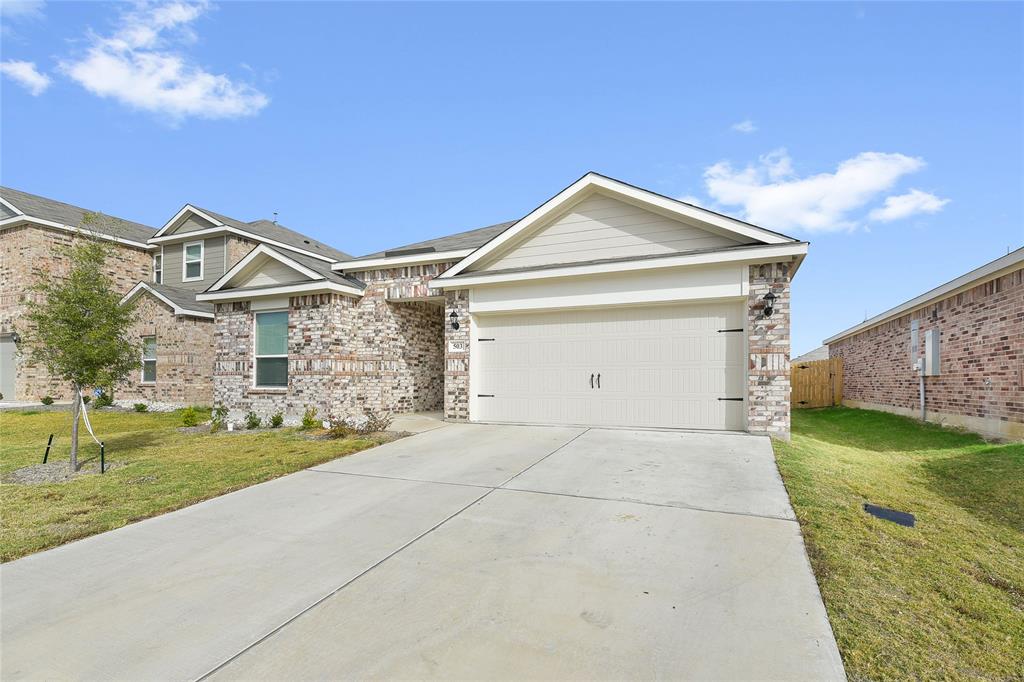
<point>35,234</point>
<point>975,379</point>
<point>190,252</point>
<point>606,305</point>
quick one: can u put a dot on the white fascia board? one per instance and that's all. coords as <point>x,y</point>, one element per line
<point>186,209</point>
<point>15,221</point>
<point>227,229</point>
<point>283,290</point>
<point>262,250</point>
<point>11,206</point>
<point>997,268</point>
<point>593,182</point>
<point>753,254</point>
<point>396,261</point>
<point>178,310</point>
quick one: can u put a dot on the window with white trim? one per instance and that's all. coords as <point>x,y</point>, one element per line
<point>158,268</point>
<point>148,359</point>
<point>272,349</point>
<point>192,261</point>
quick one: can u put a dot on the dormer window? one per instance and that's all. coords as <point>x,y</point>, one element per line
<point>192,263</point>
<point>158,268</point>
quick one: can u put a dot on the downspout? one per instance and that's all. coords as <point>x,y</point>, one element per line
<point>921,379</point>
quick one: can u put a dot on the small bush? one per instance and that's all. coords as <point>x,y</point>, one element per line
<point>309,420</point>
<point>140,407</point>
<point>104,399</point>
<point>375,421</point>
<point>86,399</point>
<point>46,400</point>
<point>339,429</point>
<point>252,421</point>
<point>219,419</point>
<point>276,420</point>
<point>189,417</point>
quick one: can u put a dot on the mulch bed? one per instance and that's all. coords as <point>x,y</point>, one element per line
<point>54,472</point>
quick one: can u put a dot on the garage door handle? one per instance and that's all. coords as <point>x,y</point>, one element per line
<point>599,380</point>
<point>591,380</point>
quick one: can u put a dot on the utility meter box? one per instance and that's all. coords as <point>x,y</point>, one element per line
<point>931,353</point>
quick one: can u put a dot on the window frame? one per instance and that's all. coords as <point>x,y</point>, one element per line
<point>142,376</point>
<point>158,270</point>
<point>185,261</point>
<point>256,356</point>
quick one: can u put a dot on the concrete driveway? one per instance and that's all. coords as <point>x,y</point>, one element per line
<point>469,551</point>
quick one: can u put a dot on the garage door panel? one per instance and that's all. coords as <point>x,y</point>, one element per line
<point>665,366</point>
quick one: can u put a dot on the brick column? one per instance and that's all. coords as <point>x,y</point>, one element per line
<point>456,356</point>
<point>768,386</point>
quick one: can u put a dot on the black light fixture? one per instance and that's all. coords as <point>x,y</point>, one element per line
<point>16,338</point>
<point>455,319</point>
<point>769,304</point>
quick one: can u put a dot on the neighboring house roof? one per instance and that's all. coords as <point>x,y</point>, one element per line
<point>67,216</point>
<point>819,353</point>
<point>1000,266</point>
<point>182,301</point>
<point>318,276</point>
<point>265,231</point>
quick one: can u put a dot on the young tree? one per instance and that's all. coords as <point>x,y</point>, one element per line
<point>77,327</point>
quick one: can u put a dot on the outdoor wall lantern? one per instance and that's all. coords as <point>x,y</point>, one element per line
<point>769,304</point>
<point>16,338</point>
<point>455,320</point>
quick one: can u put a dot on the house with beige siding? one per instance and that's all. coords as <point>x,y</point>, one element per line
<point>606,305</point>
<point>953,355</point>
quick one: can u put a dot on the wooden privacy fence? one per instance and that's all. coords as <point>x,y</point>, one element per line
<point>818,383</point>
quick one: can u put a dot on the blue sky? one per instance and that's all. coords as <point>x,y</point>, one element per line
<point>891,136</point>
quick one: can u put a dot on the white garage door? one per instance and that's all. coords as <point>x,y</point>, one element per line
<point>679,366</point>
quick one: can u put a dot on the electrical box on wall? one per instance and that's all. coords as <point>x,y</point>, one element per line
<point>931,353</point>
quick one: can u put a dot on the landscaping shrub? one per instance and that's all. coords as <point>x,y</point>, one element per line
<point>339,429</point>
<point>189,417</point>
<point>104,399</point>
<point>375,421</point>
<point>140,407</point>
<point>276,420</point>
<point>47,400</point>
<point>309,420</point>
<point>219,419</point>
<point>252,421</point>
<point>86,399</point>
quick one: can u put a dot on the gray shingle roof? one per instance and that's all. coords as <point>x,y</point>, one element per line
<point>280,233</point>
<point>471,239</point>
<point>322,268</point>
<point>57,211</point>
<point>184,298</point>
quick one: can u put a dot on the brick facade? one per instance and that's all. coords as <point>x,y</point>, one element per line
<point>768,380</point>
<point>31,251</point>
<point>382,352</point>
<point>456,356</point>
<point>981,339</point>
<point>184,357</point>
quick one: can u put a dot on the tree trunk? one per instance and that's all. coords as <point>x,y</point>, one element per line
<point>76,414</point>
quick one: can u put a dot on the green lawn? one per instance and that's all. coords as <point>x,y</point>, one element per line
<point>943,600</point>
<point>160,469</point>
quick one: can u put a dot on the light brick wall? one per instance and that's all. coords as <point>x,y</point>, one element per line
<point>29,252</point>
<point>981,338</point>
<point>346,355</point>
<point>768,378</point>
<point>456,358</point>
<point>184,357</point>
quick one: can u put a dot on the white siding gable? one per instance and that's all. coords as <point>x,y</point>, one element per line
<point>600,227</point>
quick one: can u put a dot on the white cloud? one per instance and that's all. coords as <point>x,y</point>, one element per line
<point>746,126</point>
<point>771,194</point>
<point>905,205</point>
<point>22,9</point>
<point>139,66</point>
<point>27,75</point>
